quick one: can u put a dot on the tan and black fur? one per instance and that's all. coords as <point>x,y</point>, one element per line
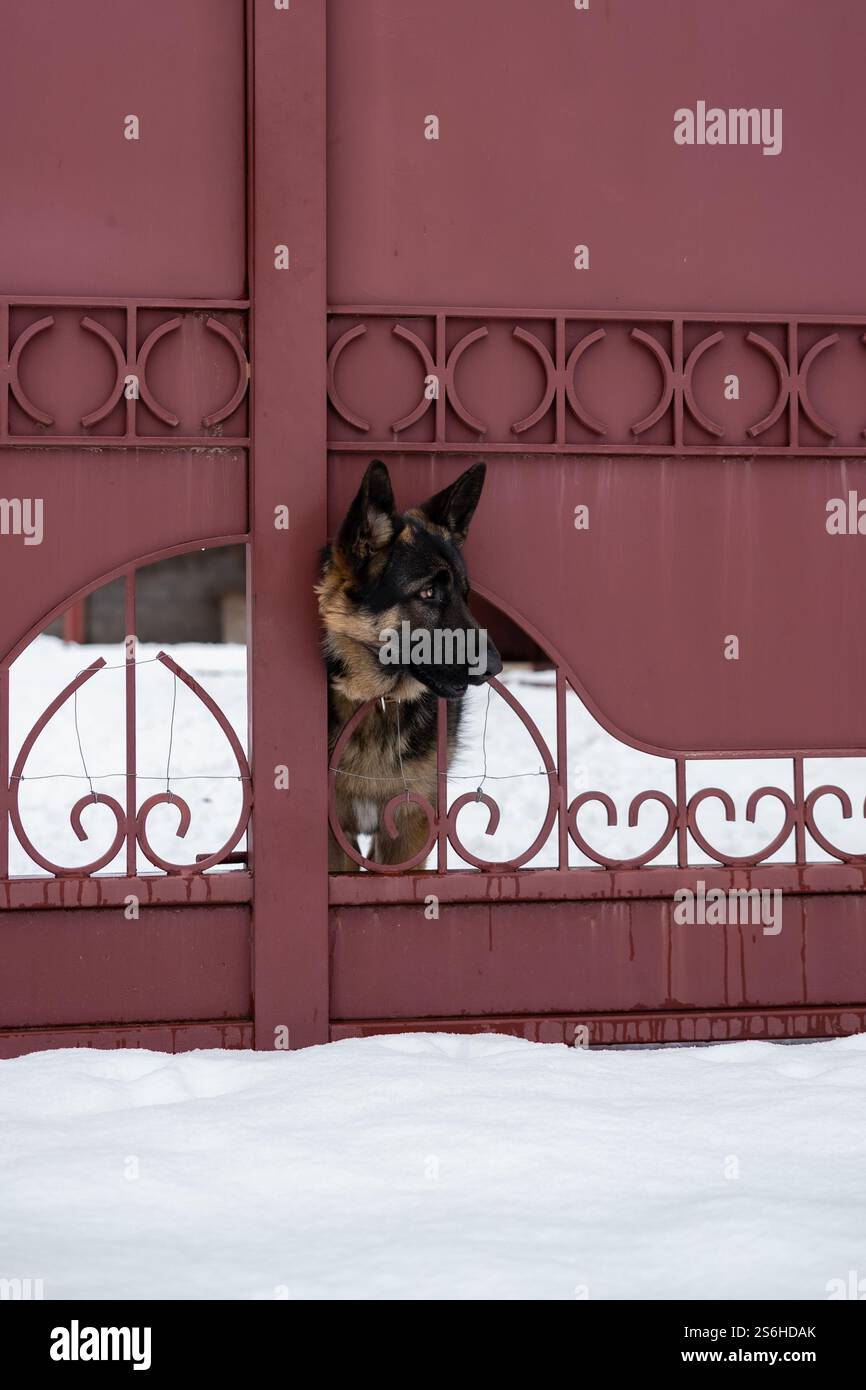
<point>384,568</point>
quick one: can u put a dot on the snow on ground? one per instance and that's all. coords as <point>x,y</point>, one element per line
<point>204,772</point>
<point>434,1166</point>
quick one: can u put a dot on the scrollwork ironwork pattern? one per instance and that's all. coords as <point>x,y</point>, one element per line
<point>682,827</point>
<point>558,343</point>
<point>130,349</point>
<point>130,823</point>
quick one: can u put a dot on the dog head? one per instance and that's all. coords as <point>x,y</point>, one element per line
<point>393,596</point>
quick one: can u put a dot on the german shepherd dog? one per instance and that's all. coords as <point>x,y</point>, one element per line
<point>386,568</point>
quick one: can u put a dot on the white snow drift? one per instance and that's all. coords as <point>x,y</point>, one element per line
<point>433,1166</point>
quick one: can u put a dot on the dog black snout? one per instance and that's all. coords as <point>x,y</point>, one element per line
<point>494,660</point>
<point>492,666</point>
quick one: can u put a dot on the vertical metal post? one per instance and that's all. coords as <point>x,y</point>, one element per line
<point>130,653</point>
<point>4,772</point>
<point>288,469</point>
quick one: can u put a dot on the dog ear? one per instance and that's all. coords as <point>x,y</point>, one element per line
<point>370,521</point>
<point>454,507</point>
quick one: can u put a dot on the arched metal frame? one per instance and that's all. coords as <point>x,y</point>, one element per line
<point>130,819</point>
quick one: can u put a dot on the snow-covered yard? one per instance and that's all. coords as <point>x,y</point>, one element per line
<point>434,1166</point>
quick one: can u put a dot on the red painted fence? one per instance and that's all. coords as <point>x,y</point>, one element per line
<point>661,331</point>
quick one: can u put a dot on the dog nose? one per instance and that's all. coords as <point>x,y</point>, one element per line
<point>494,660</point>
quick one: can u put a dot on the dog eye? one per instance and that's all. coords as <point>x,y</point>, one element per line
<point>425,593</point>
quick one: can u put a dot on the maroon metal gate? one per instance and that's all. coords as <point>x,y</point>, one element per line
<point>621,241</point>
<point>140,264</point>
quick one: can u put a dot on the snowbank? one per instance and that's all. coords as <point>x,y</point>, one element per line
<point>433,1166</point>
